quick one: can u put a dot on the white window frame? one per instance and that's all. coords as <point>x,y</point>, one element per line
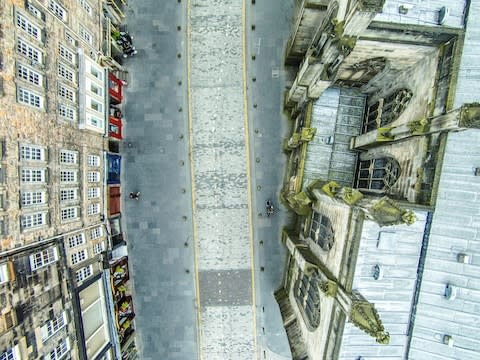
<point>98,247</point>
<point>86,35</point>
<point>94,102</point>
<point>11,354</point>
<point>43,258</point>
<point>69,213</point>
<point>86,6</point>
<point>28,27</point>
<point>30,221</point>
<point>32,175</point>
<point>68,157</point>
<point>59,351</point>
<point>5,274</point>
<point>30,152</point>
<point>64,72</point>
<point>34,11</point>
<point>51,327</point>
<point>79,256</point>
<point>28,74</point>
<point>93,209</point>
<point>32,198</point>
<point>95,121</point>
<point>68,194</point>
<point>67,93</point>
<point>30,98</point>
<point>67,112</point>
<point>67,54</point>
<point>84,273</point>
<point>76,240</point>
<point>29,51</point>
<point>93,176</point>
<point>93,160</point>
<point>58,10</point>
<point>68,176</point>
<point>96,233</point>
<point>93,193</point>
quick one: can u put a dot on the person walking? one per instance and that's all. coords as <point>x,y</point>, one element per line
<point>134,195</point>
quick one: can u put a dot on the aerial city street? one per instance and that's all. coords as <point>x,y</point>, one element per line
<point>239,179</point>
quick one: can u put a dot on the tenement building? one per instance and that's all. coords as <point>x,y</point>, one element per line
<point>55,290</point>
<point>383,177</point>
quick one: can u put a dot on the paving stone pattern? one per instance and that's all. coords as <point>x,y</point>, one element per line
<point>220,173</point>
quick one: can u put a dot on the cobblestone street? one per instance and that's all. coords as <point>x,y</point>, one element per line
<point>205,300</point>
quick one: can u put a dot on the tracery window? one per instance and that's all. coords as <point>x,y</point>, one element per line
<point>321,231</point>
<point>307,295</point>
<point>378,174</point>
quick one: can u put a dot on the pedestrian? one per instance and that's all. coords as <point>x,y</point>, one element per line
<point>134,195</point>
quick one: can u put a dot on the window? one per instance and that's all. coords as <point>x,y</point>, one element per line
<point>95,233</point>
<point>307,294</point>
<point>43,258</point>
<point>93,160</point>
<point>96,105</point>
<point>66,54</point>
<point>51,327</point>
<point>10,354</point>
<point>68,157</point>
<point>378,175</point>
<point>79,256</point>
<point>29,51</point>
<point>4,273</point>
<point>33,220</point>
<point>86,35</point>
<point>66,92</point>
<point>31,29</point>
<point>93,176</point>
<point>27,74</point>
<point>68,176</point>
<point>95,89</point>
<point>321,231</point>
<point>58,10</point>
<point>95,72</point>
<point>33,198</point>
<point>68,194</point>
<point>93,193</point>
<point>76,240</point>
<point>60,351</point>
<point>33,10</point>
<point>94,121</point>
<point>30,98</point>
<point>32,153</point>
<point>84,273</point>
<point>98,248</point>
<point>86,6</point>
<point>65,73</point>
<point>32,175</point>
<point>93,209</point>
<point>69,213</point>
<point>70,38</point>
<point>67,112</point>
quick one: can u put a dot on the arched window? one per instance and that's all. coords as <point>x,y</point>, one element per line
<point>378,174</point>
<point>321,231</point>
<point>307,295</point>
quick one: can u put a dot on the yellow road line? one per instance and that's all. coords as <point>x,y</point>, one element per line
<point>192,181</point>
<point>249,184</point>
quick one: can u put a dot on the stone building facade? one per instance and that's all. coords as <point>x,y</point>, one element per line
<point>371,108</point>
<point>54,289</point>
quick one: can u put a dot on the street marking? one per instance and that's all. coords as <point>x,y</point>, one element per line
<point>249,184</point>
<point>192,180</point>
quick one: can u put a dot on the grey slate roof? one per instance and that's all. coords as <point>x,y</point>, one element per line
<point>396,249</point>
<point>455,229</point>
<point>337,113</point>
<point>423,12</point>
<point>468,83</point>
